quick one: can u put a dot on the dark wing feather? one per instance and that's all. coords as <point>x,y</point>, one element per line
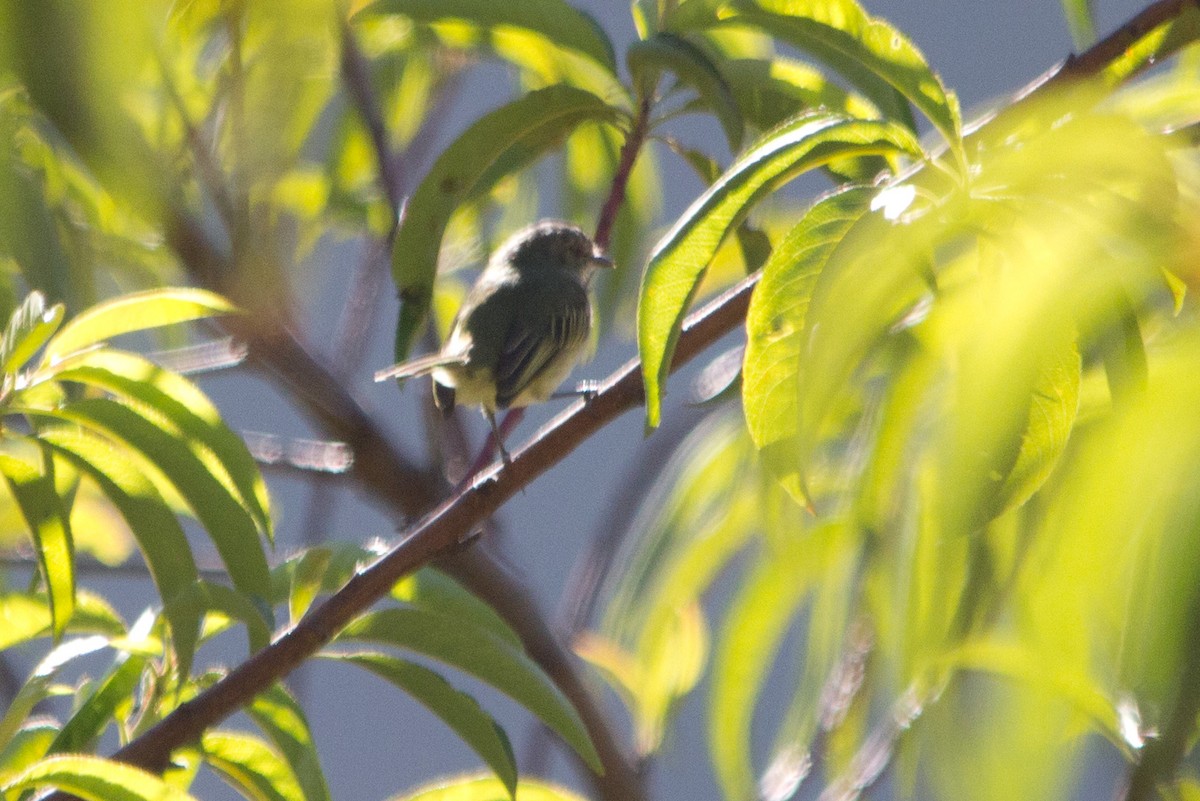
<point>529,349</point>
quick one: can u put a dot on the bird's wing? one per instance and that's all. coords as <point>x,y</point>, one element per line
<point>529,349</point>
<point>421,366</point>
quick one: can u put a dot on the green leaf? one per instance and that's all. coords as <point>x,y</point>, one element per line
<point>875,57</point>
<point>250,766</point>
<point>775,326</point>
<point>283,721</point>
<point>1051,419</point>
<point>94,779</point>
<point>193,416</point>
<point>538,117</point>
<point>754,629</point>
<point>32,484</point>
<point>134,312</point>
<point>38,685</point>
<point>663,52</point>
<point>484,655</point>
<point>457,709</point>
<point>308,576</point>
<point>1081,19</point>
<point>437,592</point>
<point>680,258</point>
<point>28,745</point>
<point>28,329</point>
<point>204,596</point>
<point>488,788</point>
<point>555,21</point>
<point>91,718</point>
<point>227,521</point>
<point>27,617</point>
<point>158,534</point>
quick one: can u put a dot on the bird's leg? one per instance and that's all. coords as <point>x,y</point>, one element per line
<point>495,440</point>
<point>584,389</point>
<point>494,443</point>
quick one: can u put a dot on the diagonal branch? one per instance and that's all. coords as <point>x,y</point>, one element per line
<point>439,533</point>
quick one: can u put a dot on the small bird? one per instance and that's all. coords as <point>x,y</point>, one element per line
<point>522,328</point>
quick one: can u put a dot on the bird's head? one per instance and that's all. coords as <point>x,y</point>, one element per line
<point>551,244</point>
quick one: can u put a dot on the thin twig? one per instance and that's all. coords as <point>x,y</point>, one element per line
<point>629,153</point>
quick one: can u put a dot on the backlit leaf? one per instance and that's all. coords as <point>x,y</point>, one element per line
<point>94,779</point>
<point>283,721</point>
<point>250,766</point>
<point>28,329</point>
<point>488,788</point>
<point>681,256</point>
<point>134,312</point>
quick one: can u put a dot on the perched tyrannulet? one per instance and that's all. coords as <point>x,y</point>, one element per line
<point>522,328</point>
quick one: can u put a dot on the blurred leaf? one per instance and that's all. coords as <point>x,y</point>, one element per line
<point>649,58</point>
<point>775,324</point>
<point>456,709</point>
<point>492,659</point>
<point>38,685</point>
<point>875,57</point>
<point>193,417</point>
<point>280,717</point>
<point>555,22</point>
<point>93,779</point>
<point>229,524</point>
<point>1081,20</point>
<point>28,329</point>
<point>538,117</point>
<point>1051,419</point>
<point>28,745</point>
<point>159,536</point>
<point>94,714</point>
<point>488,788</point>
<point>250,766</point>
<point>27,616</point>
<point>133,312</point>
<point>679,259</point>
<point>32,484</point>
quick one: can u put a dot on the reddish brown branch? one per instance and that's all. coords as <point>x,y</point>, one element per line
<point>629,153</point>
<point>439,533</point>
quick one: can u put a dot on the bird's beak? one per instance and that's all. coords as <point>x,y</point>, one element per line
<point>601,259</point>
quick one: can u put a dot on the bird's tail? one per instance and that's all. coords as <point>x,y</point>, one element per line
<point>416,367</point>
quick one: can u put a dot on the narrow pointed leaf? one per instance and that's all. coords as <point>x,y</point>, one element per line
<point>556,21</point>
<point>775,326</point>
<point>228,523</point>
<point>250,766</point>
<point>94,715</point>
<point>194,418</point>
<point>283,721</point>
<point>28,745</point>
<point>134,312</point>
<point>538,117</point>
<point>93,779</point>
<point>28,329</point>
<point>457,709</point>
<point>668,52</point>
<point>437,592</point>
<point>27,617</point>
<point>159,536</point>
<point>485,656</point>
<point>37,686</point>
<point>874,56</point>
<point>32,484</point>
<point>680,258</point>
<point>204,596</point>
